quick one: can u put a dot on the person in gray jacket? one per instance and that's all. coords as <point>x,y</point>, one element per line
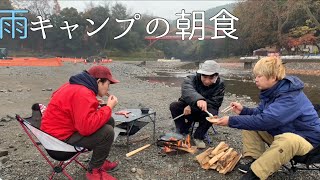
<point>201,92</point>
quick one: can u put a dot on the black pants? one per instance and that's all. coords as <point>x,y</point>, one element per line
<point>99,142</point>
<point>197,115</point>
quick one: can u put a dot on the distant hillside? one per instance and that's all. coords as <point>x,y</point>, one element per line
<point>213,11</point>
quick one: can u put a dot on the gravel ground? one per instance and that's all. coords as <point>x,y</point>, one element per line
<point>23,86</point>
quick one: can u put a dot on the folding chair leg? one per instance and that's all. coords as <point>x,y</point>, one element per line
<point>192,127</point>
<point>60,168</point>
<point>214,130</point>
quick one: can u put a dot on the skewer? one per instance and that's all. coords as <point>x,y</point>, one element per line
<point>226,109</point>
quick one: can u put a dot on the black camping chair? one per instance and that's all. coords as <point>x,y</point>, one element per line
<point>308,162</point>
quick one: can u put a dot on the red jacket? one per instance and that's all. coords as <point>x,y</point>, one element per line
<point>74,108</point>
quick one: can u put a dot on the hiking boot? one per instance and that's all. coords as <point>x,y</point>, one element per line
<point>199,143</point>
<point>110,166</point>
<point>245,164</point>
<point>250,176</point>
<point>99,174</point>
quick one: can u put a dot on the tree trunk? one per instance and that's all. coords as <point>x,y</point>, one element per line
<point>312,17</point>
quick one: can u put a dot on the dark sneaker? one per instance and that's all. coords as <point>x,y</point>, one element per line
<point>250,176</point>
<point>244,166</point>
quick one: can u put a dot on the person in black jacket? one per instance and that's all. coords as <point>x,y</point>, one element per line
<point>201,92</point>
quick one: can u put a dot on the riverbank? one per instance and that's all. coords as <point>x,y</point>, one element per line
<point>23,86</point>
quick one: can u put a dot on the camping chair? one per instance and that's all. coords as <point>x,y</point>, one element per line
<point>310,160</point>
<point>56,149</point>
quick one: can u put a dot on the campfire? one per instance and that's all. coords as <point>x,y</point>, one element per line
<point>173,144</point>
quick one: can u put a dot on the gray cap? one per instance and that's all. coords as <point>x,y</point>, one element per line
<point>209,67</point>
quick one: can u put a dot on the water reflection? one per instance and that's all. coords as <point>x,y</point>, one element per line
<point>239,84</point>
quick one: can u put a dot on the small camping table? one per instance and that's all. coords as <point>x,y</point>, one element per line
<point>133,117</point>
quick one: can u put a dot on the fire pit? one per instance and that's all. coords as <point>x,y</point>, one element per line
<point>172,142</point>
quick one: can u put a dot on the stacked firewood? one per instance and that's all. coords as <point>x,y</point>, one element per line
<point>222,158</point>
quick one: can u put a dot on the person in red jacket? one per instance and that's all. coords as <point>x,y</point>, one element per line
<point>74,116</point>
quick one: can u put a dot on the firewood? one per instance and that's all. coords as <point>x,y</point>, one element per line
<point>218,167</point>
<point>224,157</point>
<point>191,150</point>
<point>231,165</point>
<point>205,160</point>
<point>235,162</point>
<point>216,158</point>
<point>214,166</point>
<point>202,155</point>
<point>205,166</point>
<point>221,144</point>
<point>231,156</point>
<point>223,149</point>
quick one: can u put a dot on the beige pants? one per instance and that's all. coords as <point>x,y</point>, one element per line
<point>283,148</point>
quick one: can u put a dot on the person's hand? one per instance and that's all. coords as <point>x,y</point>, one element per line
<point>112,101</point>
<point>100,101</point>
<point>223,121</point>
<point>202,104</point>
<point>187,110</point>
<point>236,107</point>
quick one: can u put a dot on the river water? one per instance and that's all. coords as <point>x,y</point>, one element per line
<point>239,83</point>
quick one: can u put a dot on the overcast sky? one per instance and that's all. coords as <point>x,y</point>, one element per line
<point>165,9</point>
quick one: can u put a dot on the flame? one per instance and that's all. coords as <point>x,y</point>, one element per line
<point>166,149</point>
<point>170,146</point>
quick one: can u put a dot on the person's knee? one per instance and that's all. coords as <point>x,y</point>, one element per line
<point>106,132</point>
<point>173,106</point>
<point>288,139</point>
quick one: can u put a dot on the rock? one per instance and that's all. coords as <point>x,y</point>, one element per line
<point>9,90</point>
<point>4,159</point>
<point>3,152</point>
<point>8,166</point>
<point>43,89</point>
<point>3,91</point>
<point>10,117</point>
<point>140,171</point>
<point>133,170</point>
<point>26,161</point>
<point>49,89</point>
<point>19,90</point>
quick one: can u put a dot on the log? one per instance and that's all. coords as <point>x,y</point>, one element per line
<point>205,160</point>
<point>235,162</point>
<point>221,144</point>
<point>137,150</point>
<point>202,155</point>
<point>214,166</point>
<point>223,149</point>
<point>191,150</point>
<point>216,158</point>
<point>232,156</point>
<point>228,152</point>
<point>231,165</point>
<point>224,157</point>
<point>205,166</point>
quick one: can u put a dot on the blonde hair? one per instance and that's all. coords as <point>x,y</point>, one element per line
<point>270,67</point>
